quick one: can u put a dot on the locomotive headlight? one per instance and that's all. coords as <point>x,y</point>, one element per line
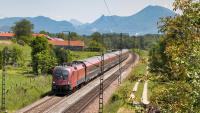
<point>54,82</point>
<point>69,82</point>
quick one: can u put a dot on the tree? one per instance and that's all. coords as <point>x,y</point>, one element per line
<point>46,61</point>
<point>44,32</point>
<point>16,54</point>
<point>62,35</point>
<point>63,55</point>
<point>23,30</point>
<point>95,46</point>
<point>177,58</point>
<point>96,36</point>
<point>69,56</point>
<point>6,55</point>
<point>142,45</point>
<point>38,45</point>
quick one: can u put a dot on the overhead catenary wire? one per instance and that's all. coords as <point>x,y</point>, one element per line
<point>113,20</point>
<point>110,14</point>
<point>108,9</point>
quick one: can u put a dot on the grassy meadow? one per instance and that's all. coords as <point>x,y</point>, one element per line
<point>22,87</point>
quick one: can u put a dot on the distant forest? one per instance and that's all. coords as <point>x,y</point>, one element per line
<point>111,41</point>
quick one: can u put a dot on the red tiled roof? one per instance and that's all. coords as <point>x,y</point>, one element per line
<point>5,34</point>
<point>65,43</point>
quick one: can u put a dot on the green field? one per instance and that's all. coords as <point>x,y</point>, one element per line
<point>22,87</point>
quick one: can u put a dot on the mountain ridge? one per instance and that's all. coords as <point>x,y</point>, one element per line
<point>142,22</point>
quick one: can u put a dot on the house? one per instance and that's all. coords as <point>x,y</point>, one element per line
<point>58,42</point>
<point>6,35</point>
<point>72,44</point>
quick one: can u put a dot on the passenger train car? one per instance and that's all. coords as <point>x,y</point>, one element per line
<point>67,78</point>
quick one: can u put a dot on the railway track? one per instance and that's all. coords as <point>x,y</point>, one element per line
<point>88,98</point>
<point>41,107</point>
<point>52,102</point>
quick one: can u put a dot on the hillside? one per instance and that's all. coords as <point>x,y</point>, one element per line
<point>143,22</point>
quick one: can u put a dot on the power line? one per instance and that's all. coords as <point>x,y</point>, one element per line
<point>114,23</point>
<point>107,7</point>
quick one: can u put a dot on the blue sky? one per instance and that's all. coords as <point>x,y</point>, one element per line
<point>82,10</point>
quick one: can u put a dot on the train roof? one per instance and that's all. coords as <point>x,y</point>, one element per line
<point>92,60</point>
<point>96,59</point>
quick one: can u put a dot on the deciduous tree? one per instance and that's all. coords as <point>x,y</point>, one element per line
<point>177,57</point>
<point>46,61</point>
<point>38,45</point>
<point>23,30</point>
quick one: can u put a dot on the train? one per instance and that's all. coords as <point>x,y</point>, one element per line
<point>68,78</point>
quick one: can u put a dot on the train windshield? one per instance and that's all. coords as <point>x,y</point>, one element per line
<point>61,73</point>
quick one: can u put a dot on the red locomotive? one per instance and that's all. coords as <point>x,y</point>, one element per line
<point>67,78</point>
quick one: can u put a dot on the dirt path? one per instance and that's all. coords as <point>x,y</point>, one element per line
<point>136,85</point>
<point>145,94</point>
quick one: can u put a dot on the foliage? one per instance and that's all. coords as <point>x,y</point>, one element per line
<point>169,96</point>
<point>46,62</point>
<point>44,32</point>
<point>95,46</point>
<point>177,57</point>
<point>113,41</point>
<point>1,59</point>
<point>23,30</point>
<point>96,36</point>
<point>23,89</point>
<point>80,55</point>
<point>38,45</point>
<point>5,55</point>
<point>63,55</point>
<point>67,36</point>
<point>16,54</point>
<point>12,55</point>
<point>69,56</point>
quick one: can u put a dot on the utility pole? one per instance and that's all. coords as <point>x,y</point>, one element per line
<point>101,82</point>
<point>69,36</point>
<point>120,55</point>
<point>3,93</point>
<point>69,40</point>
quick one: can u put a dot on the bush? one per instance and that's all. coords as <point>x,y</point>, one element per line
<point>38,45</point>
<point>115,97</point>
<point>173,98</point>
<point>46,62</point>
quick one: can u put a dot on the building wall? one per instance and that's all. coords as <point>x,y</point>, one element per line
<point>5,38</point>
<point>74,48</point>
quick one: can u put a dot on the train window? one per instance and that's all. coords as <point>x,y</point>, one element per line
<point>61,72</point>
<point>57,72</point>
<point>65,74</point>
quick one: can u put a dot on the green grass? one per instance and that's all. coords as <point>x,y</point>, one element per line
<point>22,89</point>
<point>79,55</point>
<point>138,94</point>
<point>120,98</point>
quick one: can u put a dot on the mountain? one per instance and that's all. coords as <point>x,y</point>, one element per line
<point>75,22</point>
<point>143,22</point>
<point>40,23</point>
